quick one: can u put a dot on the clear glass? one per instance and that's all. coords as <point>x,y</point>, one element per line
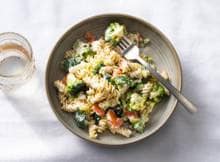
<point>17,64</point>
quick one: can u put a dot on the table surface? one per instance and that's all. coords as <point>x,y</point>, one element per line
<point>29,131</point>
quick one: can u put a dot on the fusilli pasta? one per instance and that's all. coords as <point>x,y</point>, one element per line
<point>105,91</point>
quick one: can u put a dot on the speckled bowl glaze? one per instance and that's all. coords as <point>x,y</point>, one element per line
<point>160,49</point>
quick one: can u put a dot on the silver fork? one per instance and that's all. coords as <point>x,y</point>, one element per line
<point>131,52</point>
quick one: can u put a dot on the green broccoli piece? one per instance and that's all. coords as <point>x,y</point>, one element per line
<point>80,119</point>
<point>83,50</point>
<point>114,32</point>
<point>98,67</point>
<point>138,87</point>
<point>123,80</point>
<point>124,99</point>
<point>75,89</point>
<point>68,63</point>
<point>157,93</point>
<point>74,85</point>
<point>139,126</point>
<point>137,102</point>
<point>80,52</point>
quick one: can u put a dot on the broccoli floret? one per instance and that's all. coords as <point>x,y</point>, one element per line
<point>98,67</point>
<point>114,32</point>
<point>158,92</point>
<point>80,119</point>
<point>125,99</point>
<point>68,63</point>
<point>74,89</point>
<point>80,52</point>
<point>123,80</point>
<point>137,102</point>
<point>139,126</point>
<point>74,85</point>
<point>138,87</point>
<point>83,50</point>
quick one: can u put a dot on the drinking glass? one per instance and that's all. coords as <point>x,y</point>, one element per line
<point>17,64</point>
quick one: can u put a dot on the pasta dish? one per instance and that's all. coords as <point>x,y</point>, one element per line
<point>103,90</point>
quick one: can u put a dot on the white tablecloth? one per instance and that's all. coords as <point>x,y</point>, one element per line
<point>29,131</point>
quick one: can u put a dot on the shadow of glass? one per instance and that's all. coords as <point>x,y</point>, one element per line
<point>31,104</point>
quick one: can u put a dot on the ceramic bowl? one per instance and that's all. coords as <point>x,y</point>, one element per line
<point>160,49</point>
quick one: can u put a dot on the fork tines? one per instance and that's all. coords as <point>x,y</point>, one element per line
<point>124,44</point>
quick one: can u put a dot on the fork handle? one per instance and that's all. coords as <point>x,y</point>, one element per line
<point>189,106</point>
